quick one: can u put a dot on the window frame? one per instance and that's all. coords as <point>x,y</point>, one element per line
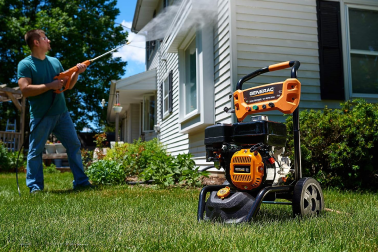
<point>143,111</point>
<point>204,114</point>
<point>165,110</point>
<point>184,78</point>
<point>165,3</point>
<point>350,51</point>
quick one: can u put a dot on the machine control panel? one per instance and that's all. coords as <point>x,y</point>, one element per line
<point>282,96</point>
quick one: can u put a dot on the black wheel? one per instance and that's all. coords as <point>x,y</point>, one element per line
<point>308,198</point>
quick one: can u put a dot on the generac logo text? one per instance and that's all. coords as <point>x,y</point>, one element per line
<point>262,91</point>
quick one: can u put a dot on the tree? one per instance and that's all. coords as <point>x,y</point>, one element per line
<point>78,30</point>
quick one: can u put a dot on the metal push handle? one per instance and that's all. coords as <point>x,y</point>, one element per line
<point>294,64</point>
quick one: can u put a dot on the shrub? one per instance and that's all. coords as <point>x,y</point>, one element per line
<point>4,160</point>
<point>12,157</point>
<point>49,169</point>
<point>86,158</point>
<point>137,156</point>
<point>339,147</point>
<point>149,160</point>
<point>8,159</point>
<point>106,172</point>
<point>100,140</point>
<point>166,170</point>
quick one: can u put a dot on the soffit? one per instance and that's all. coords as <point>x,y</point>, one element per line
<point>143,14</point>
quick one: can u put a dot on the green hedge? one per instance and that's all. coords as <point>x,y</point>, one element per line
<point>339,146</point>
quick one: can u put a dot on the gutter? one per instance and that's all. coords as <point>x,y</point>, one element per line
<point>136,16</point>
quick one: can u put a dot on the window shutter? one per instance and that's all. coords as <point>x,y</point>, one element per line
<point>161,100</point>
<point>330,51</point>
<point>170,97</point>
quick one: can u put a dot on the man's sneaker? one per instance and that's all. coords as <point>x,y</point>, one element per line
<point>85,187</point>
<point>37,191</point>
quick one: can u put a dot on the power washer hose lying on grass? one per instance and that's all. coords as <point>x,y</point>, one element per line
<point>151,181</point>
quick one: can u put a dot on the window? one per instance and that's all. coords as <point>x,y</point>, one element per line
<point>165,3</point>
<point>190,78</point>
<point>363,50</point>
<point>150,48</point>
<point>148,112</point>
<point>194,44</point>
<point>165,95</point>
<point>196,79</point>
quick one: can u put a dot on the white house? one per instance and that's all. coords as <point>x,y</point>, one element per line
<point>208,45</point>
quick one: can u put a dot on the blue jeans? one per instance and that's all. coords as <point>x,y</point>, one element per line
<point>63,128</point>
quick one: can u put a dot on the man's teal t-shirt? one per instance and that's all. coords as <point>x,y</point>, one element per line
<point>42,72</point>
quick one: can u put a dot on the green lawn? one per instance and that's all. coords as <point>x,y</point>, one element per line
<point>125,218</point>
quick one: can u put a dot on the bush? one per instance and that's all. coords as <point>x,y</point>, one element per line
<point>149,160</point>
<point>339,147</point>
<point>8,159</point>
<point>49,169</point>
<point>4,160</point>
<point>137,156</point>
<point>106,172</point>
<point>86,158</point>
<point>166,170</point>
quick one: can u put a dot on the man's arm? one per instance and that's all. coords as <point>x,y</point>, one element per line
<point>28,89</point>
<point>75,75</point>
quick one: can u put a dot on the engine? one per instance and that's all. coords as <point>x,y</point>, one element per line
<point>247,151</point>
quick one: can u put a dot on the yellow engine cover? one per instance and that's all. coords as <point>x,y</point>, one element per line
<point>246,169</point>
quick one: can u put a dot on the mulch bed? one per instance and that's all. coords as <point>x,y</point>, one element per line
<point>211,180</point>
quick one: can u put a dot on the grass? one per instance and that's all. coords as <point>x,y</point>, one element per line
<point>126,218</point>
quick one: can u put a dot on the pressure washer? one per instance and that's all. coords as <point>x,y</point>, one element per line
<point>249,154</point>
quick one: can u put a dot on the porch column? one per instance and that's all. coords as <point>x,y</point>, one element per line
<point>117,123</point>
<point>117,118</point>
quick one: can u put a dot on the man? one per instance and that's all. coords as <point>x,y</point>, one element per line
<point>48,111</point>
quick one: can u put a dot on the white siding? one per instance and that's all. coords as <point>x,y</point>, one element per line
<point>170,135</point>
<point>222,62</point>
<point>273,31</point>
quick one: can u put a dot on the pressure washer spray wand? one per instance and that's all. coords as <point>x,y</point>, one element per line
<point>68,73</point>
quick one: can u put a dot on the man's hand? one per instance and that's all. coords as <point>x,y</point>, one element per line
<point>58,84</point>
<point>82,68</point>
<point>29,90</point>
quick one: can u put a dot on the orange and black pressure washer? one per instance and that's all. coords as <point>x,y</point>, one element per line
<point>246,151</point>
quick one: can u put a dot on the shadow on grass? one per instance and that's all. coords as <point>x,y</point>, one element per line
<point>264,215</point>
<point>69,191</point>
<point>62,191</point>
